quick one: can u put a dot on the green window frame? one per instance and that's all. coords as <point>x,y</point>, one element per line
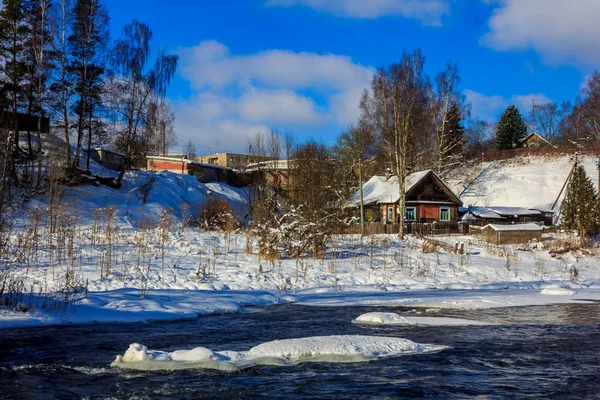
<point>390,214</point>
<point>410,213</point>
<point>445,214</point>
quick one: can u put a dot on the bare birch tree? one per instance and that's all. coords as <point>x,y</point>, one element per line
<point>393,108</point>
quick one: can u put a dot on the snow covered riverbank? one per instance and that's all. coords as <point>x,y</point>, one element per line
<point>125,306</point>
<point>139,262</point>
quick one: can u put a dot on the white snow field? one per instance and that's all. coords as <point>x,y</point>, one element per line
<point>137,267</point>
<point>342,348</point>
<point>389,318</point>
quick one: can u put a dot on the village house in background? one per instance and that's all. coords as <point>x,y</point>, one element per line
<point>25,123</point>
<point>202,171</point>
<point>535,141</point>
<point>232,160</point>
<point>428,199</point>
<point>276,172</point>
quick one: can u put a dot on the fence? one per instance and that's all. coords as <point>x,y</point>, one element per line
<point>411,228</point>
<point>495,154</point>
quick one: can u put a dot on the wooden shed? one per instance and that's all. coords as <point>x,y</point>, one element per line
<point>512,234</point>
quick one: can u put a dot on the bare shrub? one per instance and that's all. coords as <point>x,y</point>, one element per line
<point>562,246</point>
<point>217,214</point>
<point>429,246</point>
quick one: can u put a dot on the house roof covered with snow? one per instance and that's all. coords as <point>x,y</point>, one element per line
<point>379,190</point>
<point>497,212</point>
<point>535,136</point>
<point>269,165</point>
<point>515,227</point>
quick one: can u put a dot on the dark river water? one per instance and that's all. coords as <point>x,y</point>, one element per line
<point>531,352</point>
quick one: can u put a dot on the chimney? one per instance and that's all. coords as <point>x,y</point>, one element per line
<point>388,174</point>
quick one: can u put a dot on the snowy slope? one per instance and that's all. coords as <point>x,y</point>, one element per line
<point>165,190</point>
<point>523,182</point>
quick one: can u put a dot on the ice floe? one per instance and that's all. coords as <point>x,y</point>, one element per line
<point>343,348</point>
<point>389,318</point>
<point>558,292</point>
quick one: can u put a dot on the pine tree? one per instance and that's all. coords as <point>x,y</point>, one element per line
<point>511,129</point>
<point>452,148</point>
<point>13,33</point>
<point>580,209</point>
<point>88,42</point>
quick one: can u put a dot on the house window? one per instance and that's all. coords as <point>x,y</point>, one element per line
<point>410,213</point>
<point>390,214</point>
<point>444,213</point>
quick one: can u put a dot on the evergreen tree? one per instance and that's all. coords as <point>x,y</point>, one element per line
<point>13,33</point>
<point>88,43</point>
<point>511,129</point>
<point>452,148</point>
<point>580,210</point>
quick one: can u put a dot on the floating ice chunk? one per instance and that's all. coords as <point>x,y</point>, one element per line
<point>389,318</point>
<point>197,354</point>
<point>558,292</point>
<point>279,352</point>
<point>138,352</point>
<point>350,347</point>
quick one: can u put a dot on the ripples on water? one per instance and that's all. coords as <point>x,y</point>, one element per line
<point>532,352</point>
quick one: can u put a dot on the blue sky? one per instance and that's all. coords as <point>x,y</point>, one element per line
<point>300,65</point>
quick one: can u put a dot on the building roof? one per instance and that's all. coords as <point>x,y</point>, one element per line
<point>379,190</point>
<point>106,150</point>
<point>186,161</point>
<point>498,212</point>
<point>270,165</point>
<point>515,227</point>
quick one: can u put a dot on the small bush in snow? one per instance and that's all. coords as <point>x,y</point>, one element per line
<point>217,214</point>
<point>429,246</point>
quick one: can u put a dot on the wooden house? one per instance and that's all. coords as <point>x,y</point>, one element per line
<point>428,199</point>
<point>535,141</point>
<point>511,234</point>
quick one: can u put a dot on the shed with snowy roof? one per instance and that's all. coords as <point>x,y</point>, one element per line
<point>483,215</point>
<point>512,234</point>
<point>428,199</point>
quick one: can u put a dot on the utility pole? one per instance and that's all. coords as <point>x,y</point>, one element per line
<point>598,165</point>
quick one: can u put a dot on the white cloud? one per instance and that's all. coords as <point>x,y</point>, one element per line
<point>561,32</point>
<point>236,96</point>
<point>490,107</point>
<point>279,106</point>
<point>526,101</point>
<point>429,12</point>
<point>485,107</point>
<point>210,64</point>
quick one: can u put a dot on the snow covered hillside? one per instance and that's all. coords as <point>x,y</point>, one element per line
<point>530,182</point>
